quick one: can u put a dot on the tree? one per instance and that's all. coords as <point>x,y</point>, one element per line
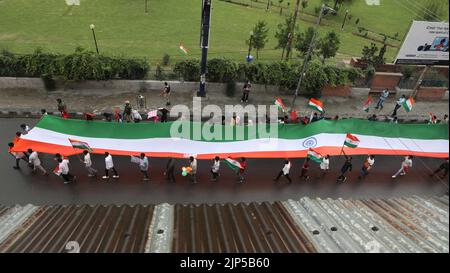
<point>303,40</point>
<point>369,54</point>
<point>304,4</point>
<point>338,3</point>
<point>282,34</point>
<point>329,45</point>
<point>259,38</point>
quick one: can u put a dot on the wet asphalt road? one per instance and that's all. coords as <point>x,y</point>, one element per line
<point>23,187</point>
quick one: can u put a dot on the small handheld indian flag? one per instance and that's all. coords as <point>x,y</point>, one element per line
<point>76,144</point>
<point>315,156</point>
<point>316,104</point>
<point>367,104</point>
<point>351,141</point>
<point>408,104</point>
<point>183,49</point>
<point>279,103</point>
<point>233,164</point>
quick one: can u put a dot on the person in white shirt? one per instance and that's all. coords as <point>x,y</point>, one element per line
<point>325,164</point>
<point>109,165</point>
<point>367,166</point>
<point>88,164</point>
<point>215,168</point>
<point>136,116</point>
<point>35,162</point>
<point>406,164</point>
<point>285,171</point>
<point>142,160</point>
<point>17,156</point>
<point>63,170</point>
<point>398,104</point>
<point>193,172</point>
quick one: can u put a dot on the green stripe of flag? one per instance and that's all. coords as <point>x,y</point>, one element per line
<point>101,129</point>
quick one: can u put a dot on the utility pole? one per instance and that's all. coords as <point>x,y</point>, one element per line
<point>308,56</point>
<point>291,31</point>
<point>345,18</point>
<point>146,6</point>
<point>419,80</point>
<point>204,44</point>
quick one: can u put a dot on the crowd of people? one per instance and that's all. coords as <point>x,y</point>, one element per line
<point>63,167</point>
<point>131,115</point>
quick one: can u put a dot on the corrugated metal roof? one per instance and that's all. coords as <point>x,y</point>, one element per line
<point>95,229</point>
<point>247,228</point>
<point>408,224</point>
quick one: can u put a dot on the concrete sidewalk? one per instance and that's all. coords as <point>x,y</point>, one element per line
<point>100,101</point>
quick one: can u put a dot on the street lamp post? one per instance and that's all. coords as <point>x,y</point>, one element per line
<point>204,44</point>
<point>250,45</point>
<point>308,55</point>
<point>92,26</point>
<point>345,18</point>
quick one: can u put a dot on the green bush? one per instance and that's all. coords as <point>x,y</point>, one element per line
<point>80,65</point>
<point>221,70</point>
<point>188,69</point>
<point>166,59</point>
<point>159,74</point>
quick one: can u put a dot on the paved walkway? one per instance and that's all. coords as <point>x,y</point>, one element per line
<point>99,101</point>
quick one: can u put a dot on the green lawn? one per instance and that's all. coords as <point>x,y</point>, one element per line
<point>122,27</point>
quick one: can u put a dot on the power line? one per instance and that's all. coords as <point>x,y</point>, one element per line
<point>424,9</point>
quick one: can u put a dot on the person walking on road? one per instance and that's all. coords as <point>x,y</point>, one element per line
<point>35,162</point>
<point>383,96</point>
<point>285,171</point>
<point>346,167</point>
<point>398,104</point>
<point>367,166</point>
<point>241,171</point>
<point>404,168</point>
<point>17,156</point>
<point>304,174</point>
<point>25,128</point>
<point>109,165</point>
<point>443,167</point>
<point>246,92</point>
<point>166,93</point>
<point>88,164</point>
<point>193,172</point>
<point>63,170</point>
<point>142,160</point>
<point>170,168</point>
<point>215,168</point>
<point>325,165</point>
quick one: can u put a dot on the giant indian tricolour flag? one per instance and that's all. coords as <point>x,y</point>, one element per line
<point>51,135</point>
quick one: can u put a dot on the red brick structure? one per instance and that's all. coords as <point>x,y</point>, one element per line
<point>430,93</point>
<point>382,80</point>
<point>337,91</point>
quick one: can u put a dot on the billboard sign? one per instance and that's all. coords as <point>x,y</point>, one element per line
<point>426,43</point>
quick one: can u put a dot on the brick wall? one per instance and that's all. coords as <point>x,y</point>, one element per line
<point>337,91</point>
<point>430,93</point>
<point>382,80</point>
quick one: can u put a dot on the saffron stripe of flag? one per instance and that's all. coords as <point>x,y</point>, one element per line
<point>315,156</point>
<point>279,103</point>
<point>408,104</point>
<point>233,164</point>
<point>76,144</point>
<point>367,104</point>
<point>183,49</point>
<point>316,104</point>
<point>351,141</point>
